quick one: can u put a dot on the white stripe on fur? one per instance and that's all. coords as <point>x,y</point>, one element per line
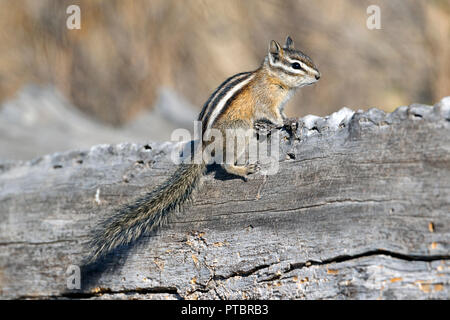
<point>221,103</point>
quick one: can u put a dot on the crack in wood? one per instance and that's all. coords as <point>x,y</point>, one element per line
<point>337,259</point>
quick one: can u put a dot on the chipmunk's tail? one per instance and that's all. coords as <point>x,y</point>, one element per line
<point>147,213</point>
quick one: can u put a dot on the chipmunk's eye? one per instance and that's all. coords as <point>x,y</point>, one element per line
<point>296,65</point>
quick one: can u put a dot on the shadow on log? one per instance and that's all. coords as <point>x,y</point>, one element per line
<point>359,209</point>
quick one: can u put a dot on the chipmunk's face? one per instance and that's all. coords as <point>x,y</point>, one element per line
<point>294,68</point>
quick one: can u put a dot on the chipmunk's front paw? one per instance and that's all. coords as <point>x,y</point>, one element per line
<point>264,128</point>
<point>291,123</point>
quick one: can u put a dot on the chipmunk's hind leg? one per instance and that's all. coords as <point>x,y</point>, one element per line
<point>239,166</point>
<point>235,152</point>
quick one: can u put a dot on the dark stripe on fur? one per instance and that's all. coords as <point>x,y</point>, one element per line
<point>222,94</point>
<point>206,105</point>
<point>228,103</point>
<point>286,71</point>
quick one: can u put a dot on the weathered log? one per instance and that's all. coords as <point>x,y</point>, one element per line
<point>360,208</point>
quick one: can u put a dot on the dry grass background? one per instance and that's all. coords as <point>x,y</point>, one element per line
<point>125,50</point>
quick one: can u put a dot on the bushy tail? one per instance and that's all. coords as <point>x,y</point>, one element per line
<point>147,213</point>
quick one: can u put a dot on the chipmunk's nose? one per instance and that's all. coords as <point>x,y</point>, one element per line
<point>317,76</point>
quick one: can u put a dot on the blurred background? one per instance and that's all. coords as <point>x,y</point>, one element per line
<point>137,69</point>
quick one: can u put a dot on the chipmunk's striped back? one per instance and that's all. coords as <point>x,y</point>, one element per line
<point>221,97</point>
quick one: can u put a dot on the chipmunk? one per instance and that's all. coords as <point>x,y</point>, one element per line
<point>237,103</point>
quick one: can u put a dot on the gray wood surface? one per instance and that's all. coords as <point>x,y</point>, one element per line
<point>360,209</point>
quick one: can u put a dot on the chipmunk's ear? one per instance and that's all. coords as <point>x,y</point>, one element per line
<point>289,43</point>
<point>275,50</point>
